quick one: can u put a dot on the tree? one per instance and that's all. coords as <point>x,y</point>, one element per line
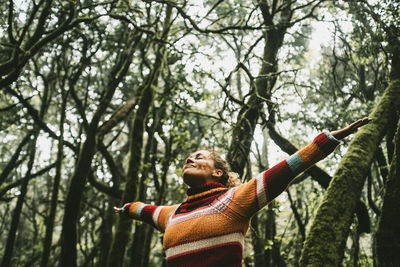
<point>123,229</point>
<point>321,246</point>
<point>388,232</point>
<point>129,92</point>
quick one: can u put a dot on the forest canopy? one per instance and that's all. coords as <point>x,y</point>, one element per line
<point>102,101</point>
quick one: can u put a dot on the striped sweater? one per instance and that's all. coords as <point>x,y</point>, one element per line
<point>208,229</point>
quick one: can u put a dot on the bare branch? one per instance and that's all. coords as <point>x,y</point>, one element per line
<point>10,22</point>
<point>222,30</point>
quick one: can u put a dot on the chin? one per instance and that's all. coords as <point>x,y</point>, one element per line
<point>191,181</point>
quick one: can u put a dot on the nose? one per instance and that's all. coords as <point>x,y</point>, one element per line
<point>189,160</point>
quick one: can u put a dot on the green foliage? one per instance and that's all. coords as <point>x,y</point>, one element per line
<point>201,89</point>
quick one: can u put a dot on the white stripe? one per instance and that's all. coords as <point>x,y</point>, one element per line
<point>204,243</point>
<point>219,205</point>
<point>156,214</point>
<point>261,194</point>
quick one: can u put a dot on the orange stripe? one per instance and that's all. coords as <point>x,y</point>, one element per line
<point>311,154</point>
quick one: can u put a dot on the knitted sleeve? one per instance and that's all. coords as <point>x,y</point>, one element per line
<point>259,191</point>
<point>156,216</point>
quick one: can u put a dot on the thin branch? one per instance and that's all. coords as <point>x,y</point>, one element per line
<point>4,190</point>
<point>222,30</point>
<point>197,113</point>
<point>115,193</point>
<point>11,164</point>
<point>10,22</point>
<point>297,216</point>
<point>35,116</point>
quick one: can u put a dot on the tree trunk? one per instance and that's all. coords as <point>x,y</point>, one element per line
<point>325,243</point>
<point>257,242</point>
<point>24,185</point>
<point>319,175</point>
<point>6,262</point>
<point>243,131</point>
<point>106,232</point>
<point>54,195</point>
<point>141,242</point>
<point>124,224</point>
<point>12,164</point>
<point>388,232</point>
<point>78,180</point>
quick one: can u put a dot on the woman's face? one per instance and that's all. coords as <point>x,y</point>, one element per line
<point>199,169</point>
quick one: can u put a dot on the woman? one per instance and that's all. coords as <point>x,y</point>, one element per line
<point>208,229</point>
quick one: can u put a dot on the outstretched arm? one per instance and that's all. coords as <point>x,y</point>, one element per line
<point>259,191</point>
<point>154,215</point>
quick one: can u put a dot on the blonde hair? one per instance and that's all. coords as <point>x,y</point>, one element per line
<point>228,178</point>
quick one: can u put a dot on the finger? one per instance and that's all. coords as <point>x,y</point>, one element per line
<point>361,122</point>
<point>364,121</point>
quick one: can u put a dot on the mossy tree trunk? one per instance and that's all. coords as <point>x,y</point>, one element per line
<point>124,224</point>
<point>387,236</point>
<point>320,176</point>
<point>325,243</point>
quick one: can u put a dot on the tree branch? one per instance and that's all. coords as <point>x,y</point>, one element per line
<point>10,22</point>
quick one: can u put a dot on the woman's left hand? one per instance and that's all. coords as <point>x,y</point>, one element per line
<point>118,210</point>
<point>342,133</point>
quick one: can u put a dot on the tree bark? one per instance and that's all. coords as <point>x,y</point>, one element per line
<point>326,240</point>
<point>387,236</point>
<point>257,242</point>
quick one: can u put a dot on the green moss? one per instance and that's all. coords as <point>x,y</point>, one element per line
<point>325,243</point>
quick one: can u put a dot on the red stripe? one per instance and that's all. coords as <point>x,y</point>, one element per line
<point>325,143</point>
<point>190,204</point>
<point>277,179</point>
<point>266,188</point>
<point>228,254</point>
<point>147,213</point>
<point>195,240</point>
<point>175,215</point>
<point>178,212</point>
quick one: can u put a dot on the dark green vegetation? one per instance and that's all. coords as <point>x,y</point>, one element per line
<point>101,101</point>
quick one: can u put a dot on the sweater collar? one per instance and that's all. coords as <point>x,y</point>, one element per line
<point>211,186</point>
